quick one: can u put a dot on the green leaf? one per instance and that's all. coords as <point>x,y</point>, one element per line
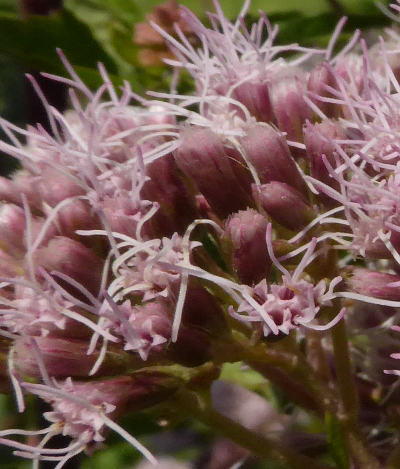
<point>337,445</point>
<point>318,30</point>
<point>32,42</point>
<point>238,373</point>
<point>120,455</point>
<point>9,6</point>
<point>305,7</point>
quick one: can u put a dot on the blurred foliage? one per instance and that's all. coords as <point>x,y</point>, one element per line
<point>89,31</point>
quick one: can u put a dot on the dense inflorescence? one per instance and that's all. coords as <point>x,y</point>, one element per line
<point>142,233</point>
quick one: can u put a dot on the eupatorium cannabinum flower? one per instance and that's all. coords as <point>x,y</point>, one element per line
<point>146,242</point>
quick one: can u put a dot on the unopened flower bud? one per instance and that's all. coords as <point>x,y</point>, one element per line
<point>118,394</point>
<point>255,96</point>
<point>269,153</point>
<point>76,216</point>
<point>10,266</point>
<point>55,187</point>
<point>319,140</point>
<point>152,326</point>
<point>376,284</point>
<point>202,311</point>
<point>290,109</point>
<point>203,321</point>
<point>26,184</point>
<point>193,347</point>
<point>202,157</point>
<point>123,213</point>
<point>284,204</point>
<point>166,187</point>
<point>246,230</point>
<point>71,258</point>
<point>350,68</point>
<point>8,191</point>
<point>12,228</point>
<point>64,357</point>
<point>320,78</point>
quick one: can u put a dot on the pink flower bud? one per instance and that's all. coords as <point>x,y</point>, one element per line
<point>290,109</point>
<point>381,56</point>
<point>55,187</point>
<point>85,411</point>
<point>77,216</point>
<point>64,357</point>
<point>376,284</point>
<point>320,78</point>
<point>267,150</point>
<point>193,347</point>
<point>123,213</point>
<point>255,96</point>
<point>71,258</point>
<point>202,311</point>
<point>284,204</point>
<point>350,69</point>
<point>319,140</point>
<point>246,229</point>
<point>203,158</point>
<point>12,228</point>
<point>8,191</point>
<point>10,266</point>
<point>24,183</point>
<point>41,314</point>
<point>152,328</point>
<point>166,187</point>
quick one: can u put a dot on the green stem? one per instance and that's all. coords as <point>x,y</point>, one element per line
<point>242,436</point>
<point>348,415</point>
<point>344,372</point>
<point>287,367</point>
<point>358,449</point>
<point>295,390</point>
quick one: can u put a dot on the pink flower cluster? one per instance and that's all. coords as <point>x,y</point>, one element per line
<point>282,159</point>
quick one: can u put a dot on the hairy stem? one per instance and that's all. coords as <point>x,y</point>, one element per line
<point>344,372</point>
<point>287,367</point>
<point>348,414</point>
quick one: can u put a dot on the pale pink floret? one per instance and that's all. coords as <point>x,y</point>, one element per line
<point>92,168</point>
<point>233,60</point>
<point>370,204</point>
<point>289,305</point>
<point>143,273</point>
<point>47,309</point>
<point>143,328</point>
<point>81,411</point>
<point>34,311</point>
<point>295,302</point>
